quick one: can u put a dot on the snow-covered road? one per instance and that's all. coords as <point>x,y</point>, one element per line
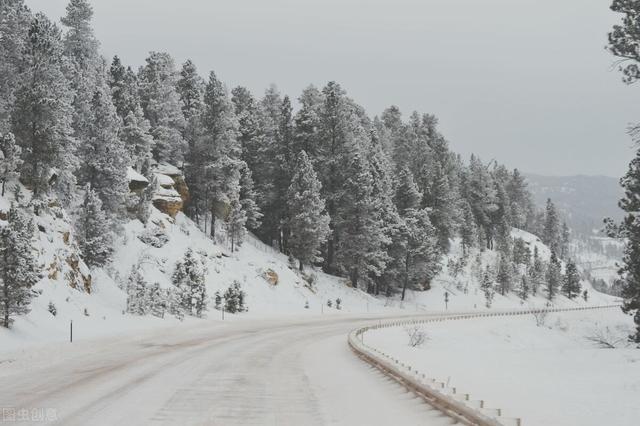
<point>268,372</point>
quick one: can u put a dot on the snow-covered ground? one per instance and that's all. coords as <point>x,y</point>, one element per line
<point>552,374</point>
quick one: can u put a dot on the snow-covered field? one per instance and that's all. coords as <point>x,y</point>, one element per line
<point>553,374</point>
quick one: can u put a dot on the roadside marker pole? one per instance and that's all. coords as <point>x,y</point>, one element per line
<point>71,332</point>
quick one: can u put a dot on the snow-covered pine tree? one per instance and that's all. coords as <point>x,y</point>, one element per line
<point>383,194</point>
<point>84,63</point>
<point>235,224</point>
<point>162,107</point>
<point>10,160</point>
<point>143,205</point>
<point>104,157</point>
<point>308,223</point>
<point>42,127</point>
<point>520,198</point>
<point>359,249</point>
<point>307,122</point>
<point>565,239</point>
<point>137,139</point>
<point>630,229</point>
<point>248,199</point>
<point>340,135</point>
<point>468,228</point>
<point>215,172</point>
<point>93,230</point>
<point>571,283</point>
<point>137,292</point>
<point>504,275</point>
<point>407,196</point>
<point>124,88</point>
<point>486,285</point>
<point>14,26</point>
<point>420,255</point>
<point>189,280</point>
<point>481,194</point>
<point>623,42</point>
<point>551,231</point>
<point>553,276</point>
<point>537,272</point>
<point>19,268</point>
<point>524,287</point>
<point>440,197</point>
<point>190,88</point>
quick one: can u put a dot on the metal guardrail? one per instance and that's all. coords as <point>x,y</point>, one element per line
<point>446,399</point>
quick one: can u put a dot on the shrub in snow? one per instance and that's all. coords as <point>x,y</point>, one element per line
<point>188,279</point>
<point>52,309</point>
<point>234,299</point>
<point>306,304</point>
<point>155,237</point>
<point>417,336</point>
<point>338,303</point>
<point>329,303</point>
<point>540,317</point>
<point>86,312</point>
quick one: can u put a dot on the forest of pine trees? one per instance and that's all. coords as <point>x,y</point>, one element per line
<point>378,200</point>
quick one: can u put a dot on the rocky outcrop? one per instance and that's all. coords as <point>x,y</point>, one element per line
<point>173,193</point>
<point>271,276</point>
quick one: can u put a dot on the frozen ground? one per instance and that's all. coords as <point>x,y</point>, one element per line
<point>547,375</point>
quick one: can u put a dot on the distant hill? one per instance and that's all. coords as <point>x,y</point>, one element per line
<point>583,200</point>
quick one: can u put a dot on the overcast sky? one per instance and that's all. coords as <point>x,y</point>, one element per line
<point>527,82</point>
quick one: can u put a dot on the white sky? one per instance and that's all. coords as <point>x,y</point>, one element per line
<point>527,82</point>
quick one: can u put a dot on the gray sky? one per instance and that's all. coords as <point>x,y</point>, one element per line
<point>527,82</point>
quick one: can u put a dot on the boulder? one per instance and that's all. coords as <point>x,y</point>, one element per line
<point>271,276</point>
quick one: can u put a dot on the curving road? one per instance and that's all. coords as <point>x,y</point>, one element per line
<point>274,372</point>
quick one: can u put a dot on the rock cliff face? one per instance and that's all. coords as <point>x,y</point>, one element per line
<point>172,193</point>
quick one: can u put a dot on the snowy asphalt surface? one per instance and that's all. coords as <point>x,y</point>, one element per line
<point>250,372</point>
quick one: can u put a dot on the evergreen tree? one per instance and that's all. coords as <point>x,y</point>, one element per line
<point>189,280</point>
<point>137,139</point>
<point>551,231</point>
<point>407,195</point>
<point>624,39</point>
<point>104,156</point>
<point>42,112</point>
<point>468,229</point>
<point>235,224</point>
<point>504,275</point>
<point>419,258</point>
<point>308,224</point>
<point>571,284</point>
<point>10,160</point>
<point>537,272</point>
<point>441,200</point>
<point>92,226</point>
<point>124,88</point>
<point>486,285</point>
<point>623,42</point>
<point>19,269</point>
<point>339,134</point>
<point>162,107</point>
<point>248,197</point>
<point>215,172</point>
<point>554,277</point>
<point>359,250</point>
<point>14,26</point>
<point>523,289</point>
<point>137,292</point>
<point>565,238</point>
<point>84,63</point>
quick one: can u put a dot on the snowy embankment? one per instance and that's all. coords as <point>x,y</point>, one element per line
<point>550,371</point>
<point>95,300</point>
